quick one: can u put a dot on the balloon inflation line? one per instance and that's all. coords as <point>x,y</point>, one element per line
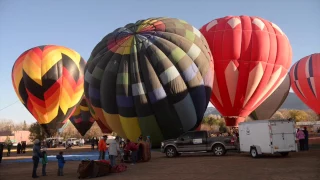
<point>9,105</point>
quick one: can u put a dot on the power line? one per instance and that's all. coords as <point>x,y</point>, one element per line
<point>9,105</point>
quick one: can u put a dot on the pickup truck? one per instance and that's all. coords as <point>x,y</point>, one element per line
<point>198,141</point>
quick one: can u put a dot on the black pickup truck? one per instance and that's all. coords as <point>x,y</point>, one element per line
<point>198,141</point>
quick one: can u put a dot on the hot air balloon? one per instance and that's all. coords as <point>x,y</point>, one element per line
<point>48,80</point>
<point>273,102</point>
<point>104,128</point>
<point>63,127</point>
<point>251,59</point>
<point>81,118</point>
<point>153,77</point>
<point>305,81</point>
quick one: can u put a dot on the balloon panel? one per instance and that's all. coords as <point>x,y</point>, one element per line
<point>273,102</point>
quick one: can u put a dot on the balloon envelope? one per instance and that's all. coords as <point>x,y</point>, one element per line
<point>305,80</point>
<point>48,80</point>
<point>153,78</point>
<point>81,118</point>
<point>251,59</point>
<point>273,102</point>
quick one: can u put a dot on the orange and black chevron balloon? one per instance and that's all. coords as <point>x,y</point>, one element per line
<point>49,82</point>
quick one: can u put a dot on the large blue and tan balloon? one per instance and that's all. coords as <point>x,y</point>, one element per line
<point>153,77</point>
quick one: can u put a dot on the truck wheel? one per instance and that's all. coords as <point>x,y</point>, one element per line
<point>284,154</point>
<point>171,152</point>
<point>254,152</point>
<point>218,150</point>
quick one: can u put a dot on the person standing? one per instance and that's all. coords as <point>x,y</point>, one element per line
<point>134,151</point>
<point>149,142</point>
<point>114,150</point>
<point>36,155</point>
<point>140,138</point>
<point>19,148</point>
<point>61,163</point>
<point>97,142</point>
<point>102,146</point>
<point>9,146</point>
<point>92,143</point>
<point>1,151</point>
<point>44,163</point>
<point>300,135</point>
<point>306,139</point>
<point>23,147</point>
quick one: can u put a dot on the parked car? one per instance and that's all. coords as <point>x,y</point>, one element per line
<point>73,141</point>
<point>198,141</point>
<point>53,142</point>
<point>268,137</point>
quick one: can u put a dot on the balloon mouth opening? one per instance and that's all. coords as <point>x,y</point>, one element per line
<point>233,121</point>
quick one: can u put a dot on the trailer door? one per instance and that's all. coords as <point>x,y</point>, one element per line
<point>283,136</point>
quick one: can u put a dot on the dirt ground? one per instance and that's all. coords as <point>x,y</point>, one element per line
<point>297,166</point>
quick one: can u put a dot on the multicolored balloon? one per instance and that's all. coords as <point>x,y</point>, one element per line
<point>273,102</point>
<point>153,77</point>
<point>81,118</point>
<point>305,80</point>
<point>48,80</point>
<point>104,128</point>
<point>251,59</point>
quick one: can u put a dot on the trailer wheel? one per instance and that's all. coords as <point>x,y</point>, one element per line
<point>254,152</point>
<point>284,154</point>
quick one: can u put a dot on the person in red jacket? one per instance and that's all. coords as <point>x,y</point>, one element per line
<point>134,151</point>
<point>102,148</point>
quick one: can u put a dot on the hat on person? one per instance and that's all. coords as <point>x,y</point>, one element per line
<point>36,141</point>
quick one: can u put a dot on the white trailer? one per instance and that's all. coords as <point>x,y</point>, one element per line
<point>267,137</point>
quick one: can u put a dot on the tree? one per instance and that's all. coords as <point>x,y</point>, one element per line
<point>6,125</point>
<point>312,116</point>
<point>285,113</point>
<point>94,131</point>
<point>298,115</point>
<point>36,132</point>
<point>70,132</point>
<point>223,127</point>
<point>25,126</point>
<point>277,115</point>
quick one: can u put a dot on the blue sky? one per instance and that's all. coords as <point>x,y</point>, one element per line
<point>81,24</point>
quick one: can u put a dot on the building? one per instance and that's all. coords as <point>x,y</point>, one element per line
<point>313,126</point>
<point>15,136</point>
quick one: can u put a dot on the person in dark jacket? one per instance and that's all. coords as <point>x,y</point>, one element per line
<point>1,151</point>
<point>19,148</point>
<point>61,163</point>
<point>306,139</point>
<point>23,147</point>
<point>134,151</point>
<point>36,155</point>
<point>92,143</point>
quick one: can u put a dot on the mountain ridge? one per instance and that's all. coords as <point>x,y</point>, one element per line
<point>292,102</point>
